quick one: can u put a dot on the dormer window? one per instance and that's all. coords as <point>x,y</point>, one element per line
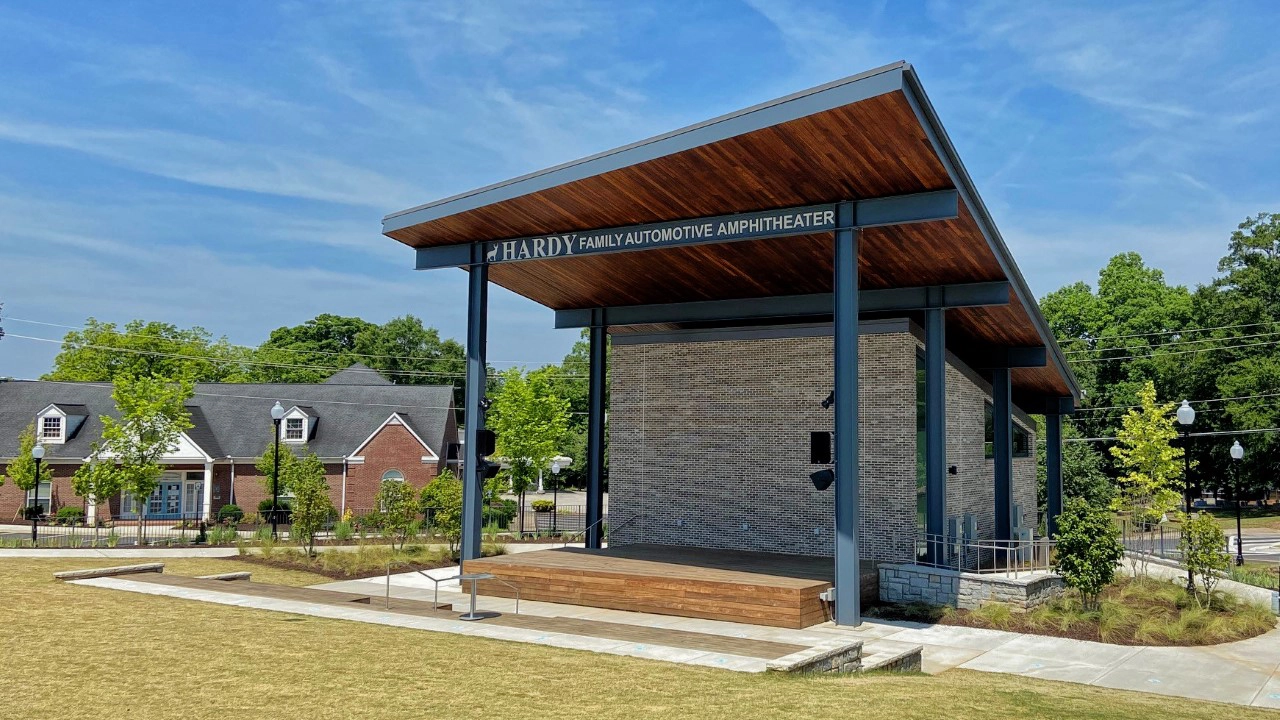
<point>51,428</point>
<point>295,429</point>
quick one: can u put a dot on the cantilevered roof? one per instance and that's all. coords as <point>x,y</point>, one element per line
<point>872,135</point>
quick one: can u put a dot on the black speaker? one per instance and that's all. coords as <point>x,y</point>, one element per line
<point>486,442</point>
<point>820,448</point>
<point>823,478</point>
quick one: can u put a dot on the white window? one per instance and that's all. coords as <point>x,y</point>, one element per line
<point>44,491</point>
<point>295,429</point>
<point>393,476</point>
<point>51,428</point>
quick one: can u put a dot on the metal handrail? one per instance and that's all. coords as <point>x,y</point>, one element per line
<point>966,555</point>
<point>584,531</point>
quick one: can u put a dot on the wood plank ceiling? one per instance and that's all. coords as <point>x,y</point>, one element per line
<point>873,148</point>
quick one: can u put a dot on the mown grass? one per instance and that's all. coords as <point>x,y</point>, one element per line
<point>1134,611</point>
<point>1267,517</point>
<point>1263,575</point>
<point>90,653</point>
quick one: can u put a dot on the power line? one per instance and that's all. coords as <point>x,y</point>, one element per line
<point>343,353</point>
<point>259,363</point>
<point>1170,343</point>
<point>1214,433</point>
<point>1193,402</point>
<point>1184,330</point>
<point>1145,356</point>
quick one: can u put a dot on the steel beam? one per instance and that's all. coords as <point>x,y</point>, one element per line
<point>1053,470</point>
<point>935,373</point>
<point>873,212</point>
<point>1004,358</point>
<point>598,360</point>
<point>1002,417</point>
<point>473,476</point>
<point>818,305</point>
<point>848,591</point>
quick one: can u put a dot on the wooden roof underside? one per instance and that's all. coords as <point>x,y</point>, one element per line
<point>876,147</point>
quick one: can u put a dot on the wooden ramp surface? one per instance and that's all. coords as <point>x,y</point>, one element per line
<point>757,588</point>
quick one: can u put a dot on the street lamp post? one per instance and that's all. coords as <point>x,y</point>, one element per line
<point>1187,415</point>
<point>37,453</point>
<point>277,414</point>
<point>1237,454</point>
<point>555,493</point>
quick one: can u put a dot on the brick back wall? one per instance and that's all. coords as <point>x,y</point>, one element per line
<point>708,436</point>
<point>12,497</point>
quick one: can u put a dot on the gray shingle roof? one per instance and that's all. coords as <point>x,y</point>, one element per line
<point>235,419</point>
<point>357,374</point>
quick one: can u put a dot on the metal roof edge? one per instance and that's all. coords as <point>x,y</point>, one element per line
<point>964,183</point>
<point>844,91</point>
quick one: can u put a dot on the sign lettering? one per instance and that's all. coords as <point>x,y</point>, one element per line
<point>772,223</point>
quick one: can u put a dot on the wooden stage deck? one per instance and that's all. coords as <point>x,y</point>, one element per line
<point>748,587</point>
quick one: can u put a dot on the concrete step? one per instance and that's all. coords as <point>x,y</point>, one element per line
<point>890,657</point>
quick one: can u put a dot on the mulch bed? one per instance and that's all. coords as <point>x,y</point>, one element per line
<point>290,563</point>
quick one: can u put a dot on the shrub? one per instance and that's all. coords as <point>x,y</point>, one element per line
<point>221,534</point>
<point>70,515</point>
<point>342,530</point>
<point>264,509</point>
<point>443,496</point>
<point>1089,549</point>
<point>1202,545</point>
<point>399,509</point>
<point>230,514</point>
<point>500,514</point>
<point>543,506</point>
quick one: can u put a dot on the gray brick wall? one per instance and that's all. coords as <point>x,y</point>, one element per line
<point>709,444</point>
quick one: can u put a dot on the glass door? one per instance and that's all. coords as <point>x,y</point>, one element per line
<point>193,495</point>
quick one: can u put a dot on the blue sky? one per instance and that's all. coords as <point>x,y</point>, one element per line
<point>227,164</point>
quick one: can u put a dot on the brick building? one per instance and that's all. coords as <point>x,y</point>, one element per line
<point>364,428</point>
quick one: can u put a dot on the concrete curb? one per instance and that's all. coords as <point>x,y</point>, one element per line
<point>245,575</point>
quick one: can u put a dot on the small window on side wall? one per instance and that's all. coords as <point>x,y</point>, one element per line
<point>1021,440</point>
<point>393,476</point>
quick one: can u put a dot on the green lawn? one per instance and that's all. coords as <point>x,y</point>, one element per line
<point>1267,518</point>
<point>91,653</point>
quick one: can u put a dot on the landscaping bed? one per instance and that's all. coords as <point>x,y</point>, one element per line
<point>1133,611</point>
<point>363,562</point>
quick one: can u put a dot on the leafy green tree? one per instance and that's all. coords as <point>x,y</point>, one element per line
<point>22,469</point>
<point>529,420</point>
<point>1088,549</point>
<point>1083,473</point>
<point>399,510</point>
<point>1151,465</point>
<point>311,507</point>
<point>1203,547</point>
<point>289,466</point>
<point>96,481</point>
<point>152,417</point>
<point>102,352</point>
<point>441,501</point>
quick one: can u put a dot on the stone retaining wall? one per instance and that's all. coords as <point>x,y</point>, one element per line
<point>970,591</point>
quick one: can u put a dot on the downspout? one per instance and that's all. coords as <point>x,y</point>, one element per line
<point>343,500</point>
<point>231,500</point>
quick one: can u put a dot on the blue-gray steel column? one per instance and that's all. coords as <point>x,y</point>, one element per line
<point>848,590</point>
<point>473,469</point>
<point>1002,416</point>
<point>935,431</point>
<point>1053,469</point>
<point>595,429</point>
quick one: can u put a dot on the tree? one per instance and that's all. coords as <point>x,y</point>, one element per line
<point>22,469</point>
<point>289,466</point>
<point>399,510</point>
<point>569,381</point>
<point>1203,547</point>
<point>1088,548</point>
<point>529,420</point>
<point>311,507</point>
<point>152,418</point>
<point>441,502</point>
<point>96,481</point>
<point>102,352</point>
<point>1151,462</point>
<point>1083,474</point>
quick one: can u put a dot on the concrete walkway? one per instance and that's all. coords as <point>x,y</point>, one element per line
<point>1243,673</point>
<point>195,551</point>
